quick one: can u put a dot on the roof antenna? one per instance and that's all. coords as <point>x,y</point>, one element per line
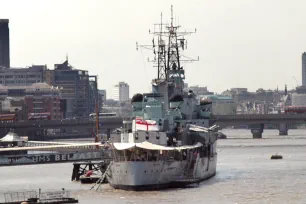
<point>66,56</point>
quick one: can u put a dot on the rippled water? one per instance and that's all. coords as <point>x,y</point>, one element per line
<point>245,174</point>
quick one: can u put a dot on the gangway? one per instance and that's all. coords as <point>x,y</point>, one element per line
<point>100,181</point>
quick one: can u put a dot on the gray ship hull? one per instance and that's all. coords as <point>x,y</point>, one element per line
<point>153,175</point>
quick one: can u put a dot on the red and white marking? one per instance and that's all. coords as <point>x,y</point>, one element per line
<point>146,125</point>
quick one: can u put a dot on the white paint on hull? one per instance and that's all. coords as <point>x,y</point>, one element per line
<point>148,173</point>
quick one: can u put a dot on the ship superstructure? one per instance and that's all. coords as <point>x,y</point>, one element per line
<point>168,142</point>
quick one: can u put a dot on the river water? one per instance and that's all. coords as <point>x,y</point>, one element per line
<point>245,174</point>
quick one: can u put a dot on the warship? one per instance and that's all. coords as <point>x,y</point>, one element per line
<point>168,141</point>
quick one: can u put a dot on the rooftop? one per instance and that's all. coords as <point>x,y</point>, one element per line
<point>40,86</point>
<point>30,87</point>
<point>34,68</point>
<point>4,20</point>
<point>217,97</point>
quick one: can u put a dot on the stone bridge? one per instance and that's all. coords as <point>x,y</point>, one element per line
<point>38,129</point>
<point>256,122</point>
<point>105,122</point>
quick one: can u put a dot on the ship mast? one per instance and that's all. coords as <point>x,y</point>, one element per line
<point>167,56</point>
<point>173,50</point>
<point>161,66</point>
<point>159,50</point>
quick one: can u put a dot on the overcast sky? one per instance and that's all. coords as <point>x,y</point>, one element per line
<point>241,43</point>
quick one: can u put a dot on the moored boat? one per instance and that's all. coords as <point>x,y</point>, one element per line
<point>168,141</point>
<point>91,177</point>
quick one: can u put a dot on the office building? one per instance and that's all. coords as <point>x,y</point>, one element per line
<point>22,76</point>
<point>36,98</point>
<point>222,105</point>
<point>102,98</point>
<point>121,92</point>
<point>304,69</point>
<point>299,100</point>
<point>93,94</point>
<point>4,43</point>
<point>102,94</point>
<point>239,95</point>
<point>74,88</point>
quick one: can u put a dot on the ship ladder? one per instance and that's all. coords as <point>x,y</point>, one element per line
<point>101,179</point>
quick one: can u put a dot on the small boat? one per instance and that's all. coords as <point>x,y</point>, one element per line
<point>90,177</point>
<point>276,156</point>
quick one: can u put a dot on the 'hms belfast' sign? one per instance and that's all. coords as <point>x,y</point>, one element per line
<point>49,158</point>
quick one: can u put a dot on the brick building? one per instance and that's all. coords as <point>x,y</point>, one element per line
<point>42,98</point>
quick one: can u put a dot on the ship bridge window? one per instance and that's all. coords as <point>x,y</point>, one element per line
<point>153,112</point>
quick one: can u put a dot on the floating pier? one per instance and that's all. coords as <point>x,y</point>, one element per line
<point>47,158</point>
<point>81,168</point>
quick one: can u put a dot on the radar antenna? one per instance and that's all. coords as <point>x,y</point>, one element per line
<point>167,57</point>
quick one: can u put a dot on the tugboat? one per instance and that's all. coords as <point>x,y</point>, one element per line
<point>168,141</point>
